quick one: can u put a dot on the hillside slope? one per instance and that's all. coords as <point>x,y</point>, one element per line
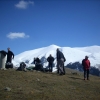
<point>34,85</point>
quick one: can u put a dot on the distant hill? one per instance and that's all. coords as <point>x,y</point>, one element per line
<point>72,55</point>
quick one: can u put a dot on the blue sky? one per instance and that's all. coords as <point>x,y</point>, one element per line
<point>31,24</point>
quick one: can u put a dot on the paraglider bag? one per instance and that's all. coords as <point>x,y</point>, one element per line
<point>9,65</point>
<point>22,66</point>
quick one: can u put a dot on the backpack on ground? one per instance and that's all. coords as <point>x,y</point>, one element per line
<point>22,66</point>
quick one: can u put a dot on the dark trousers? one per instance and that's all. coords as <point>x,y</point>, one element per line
<point>9,60</point>
<point>86,73</point>
<point>50,67</point>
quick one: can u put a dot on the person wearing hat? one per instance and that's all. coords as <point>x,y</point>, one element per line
<point>86,67</point>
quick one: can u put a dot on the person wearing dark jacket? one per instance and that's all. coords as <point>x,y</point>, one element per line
<point>60,62</point>
<point>10,56</point>
<point>86,67</point>
<point>50,59</point>
<point>38,65</point>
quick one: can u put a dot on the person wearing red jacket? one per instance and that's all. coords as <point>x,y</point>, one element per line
<point>86,67</point>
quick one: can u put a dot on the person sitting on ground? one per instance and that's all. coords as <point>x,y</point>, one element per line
<point>38,65</point>
<point>22,67</point>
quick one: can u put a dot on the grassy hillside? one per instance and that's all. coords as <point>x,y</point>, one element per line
<point>32,85</point>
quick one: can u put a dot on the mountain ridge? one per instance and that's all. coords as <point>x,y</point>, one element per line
<point>71,54</point>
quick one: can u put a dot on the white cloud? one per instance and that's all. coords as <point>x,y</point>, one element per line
<point>24,4</point>
<point>17,35</point>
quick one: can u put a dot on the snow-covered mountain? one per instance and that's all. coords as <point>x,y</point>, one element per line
<point>72,55</point>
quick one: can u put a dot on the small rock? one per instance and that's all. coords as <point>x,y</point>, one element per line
<point>8,89</point>
<point>38,79</point>
<point>38,71</point>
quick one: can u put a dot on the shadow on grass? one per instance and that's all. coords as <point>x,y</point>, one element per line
<point>75,78</point>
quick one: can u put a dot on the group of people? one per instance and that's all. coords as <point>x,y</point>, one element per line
<point>60,63</point>
<point>39,66</point>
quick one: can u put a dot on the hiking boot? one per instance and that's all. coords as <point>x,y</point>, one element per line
<point>84,79</point>
<point>61,74</point>
<point>88,79</point>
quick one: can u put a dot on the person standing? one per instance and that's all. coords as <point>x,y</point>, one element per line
<point>86,67</point>
<point>50,59</point>
<point>10,56</point>
<point>60,62</point>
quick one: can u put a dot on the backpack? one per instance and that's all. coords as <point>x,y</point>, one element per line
<point>22,66</point>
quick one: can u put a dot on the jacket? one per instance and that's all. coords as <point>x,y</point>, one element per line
<point>86,64</point>
<point>60,56</point>
<point>50,59</point>
<point>10,54</point>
